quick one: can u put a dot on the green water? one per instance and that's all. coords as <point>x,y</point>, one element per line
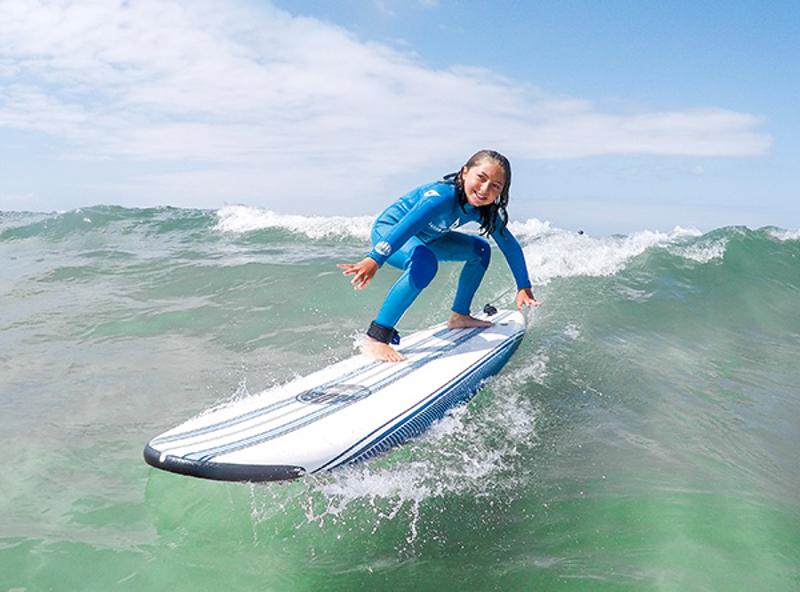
<point>643,437</point>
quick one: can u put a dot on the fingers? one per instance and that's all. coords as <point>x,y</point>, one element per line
<point>351,269</point>
<point>529,302</point>
<point>348,268</point>
<point>362,274</point>
<point>360,279</point>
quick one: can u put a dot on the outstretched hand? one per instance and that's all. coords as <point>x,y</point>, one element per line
<point>362,272</point>
<point>525,298</point>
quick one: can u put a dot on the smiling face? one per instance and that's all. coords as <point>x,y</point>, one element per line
<point>483,182</point>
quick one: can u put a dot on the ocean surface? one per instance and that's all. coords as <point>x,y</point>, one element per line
<point>645,436</point>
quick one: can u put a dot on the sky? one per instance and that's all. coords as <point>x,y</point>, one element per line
<point>617,116</point>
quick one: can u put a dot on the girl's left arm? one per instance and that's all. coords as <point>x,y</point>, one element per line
<point>516,261</point>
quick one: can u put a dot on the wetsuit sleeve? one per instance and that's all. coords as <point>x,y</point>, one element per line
<point>514,256</point>
<point>414,221</point>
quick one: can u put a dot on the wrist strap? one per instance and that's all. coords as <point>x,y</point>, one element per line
<point>383,334</point>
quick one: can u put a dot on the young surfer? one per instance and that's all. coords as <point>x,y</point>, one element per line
<point>415,233</point>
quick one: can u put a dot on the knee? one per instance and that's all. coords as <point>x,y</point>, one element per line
<point>482,250</point>
<point>423,267</point>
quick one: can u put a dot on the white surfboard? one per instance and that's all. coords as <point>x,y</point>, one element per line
<point>343,414</point>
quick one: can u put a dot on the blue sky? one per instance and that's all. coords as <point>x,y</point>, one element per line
<point>617,116</point>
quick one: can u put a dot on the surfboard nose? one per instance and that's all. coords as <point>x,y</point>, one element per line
<point>220,471</point>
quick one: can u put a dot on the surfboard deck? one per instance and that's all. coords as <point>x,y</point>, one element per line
<point>345,413</point>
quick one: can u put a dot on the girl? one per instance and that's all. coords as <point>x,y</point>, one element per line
<point>414,234</point>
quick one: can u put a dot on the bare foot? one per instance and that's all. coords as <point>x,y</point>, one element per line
<point>377,350</point>
<point>459,321</point>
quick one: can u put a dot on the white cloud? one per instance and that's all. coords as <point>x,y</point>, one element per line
<point>250,95</point>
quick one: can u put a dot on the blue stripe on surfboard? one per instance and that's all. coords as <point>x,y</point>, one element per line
<point>419,418</point>
<point>350,376</point>
<point>422,419</point>
<point>321,412</point>
<point>289,400</point>
<point>209,453</point>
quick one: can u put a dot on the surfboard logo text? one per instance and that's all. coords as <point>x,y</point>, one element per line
<point>336,394</point>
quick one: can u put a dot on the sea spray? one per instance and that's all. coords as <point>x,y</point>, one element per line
<point>471,451</point>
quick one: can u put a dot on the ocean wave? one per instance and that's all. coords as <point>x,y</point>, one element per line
<point>240,219</point>
<point>570,254</point>
<point>64,225</point>
<point>243,219</point>
<point>551,252</point>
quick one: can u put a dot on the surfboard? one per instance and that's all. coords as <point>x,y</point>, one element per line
<point>345,413</point>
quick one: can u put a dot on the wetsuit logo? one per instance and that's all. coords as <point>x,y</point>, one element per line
<point>383,248</point>
<point>441,226</point>
<point>430,193</point>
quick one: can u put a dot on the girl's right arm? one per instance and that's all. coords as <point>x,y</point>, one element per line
<point>409,225</point>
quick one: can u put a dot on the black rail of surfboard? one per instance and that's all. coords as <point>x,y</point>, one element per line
<point>221,471</point>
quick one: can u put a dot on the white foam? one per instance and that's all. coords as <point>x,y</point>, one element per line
<point>572,331</point>
<point>530,229</point>
<point>785,235</point>
<point>242,219</point>
<point>701,252</point>
<point>460,454</point>
<point>569,254</point>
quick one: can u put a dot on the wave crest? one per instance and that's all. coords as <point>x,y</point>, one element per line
<point>784,235</point>
<point>568,254</point>
<point>243,219</point>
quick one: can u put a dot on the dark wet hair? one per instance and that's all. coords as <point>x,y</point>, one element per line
<point>490,213</point>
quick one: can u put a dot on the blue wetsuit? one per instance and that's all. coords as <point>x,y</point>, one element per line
<point>415,233</point>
